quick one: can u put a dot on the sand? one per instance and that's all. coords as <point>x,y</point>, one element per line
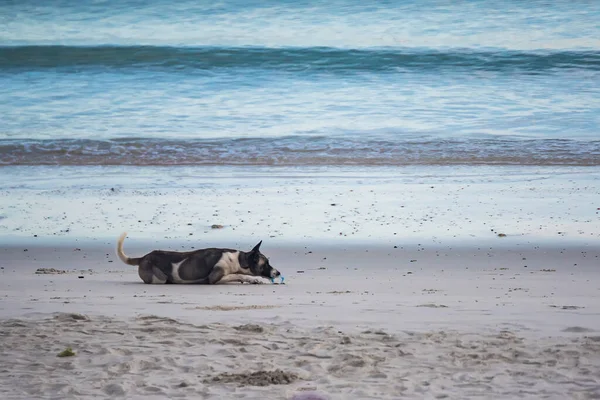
<point>429,309</point>
<point>159,357</point>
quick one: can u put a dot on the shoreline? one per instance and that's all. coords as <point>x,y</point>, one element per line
<point>372,204</point>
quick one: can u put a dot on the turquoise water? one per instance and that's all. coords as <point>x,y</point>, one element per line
<point>299,83</point>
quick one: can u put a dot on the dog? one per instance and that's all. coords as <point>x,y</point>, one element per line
<point>204,266</point>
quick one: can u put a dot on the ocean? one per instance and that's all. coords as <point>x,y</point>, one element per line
<point>282,83</point>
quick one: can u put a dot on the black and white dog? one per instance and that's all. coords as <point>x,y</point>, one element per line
<point>208,266</point>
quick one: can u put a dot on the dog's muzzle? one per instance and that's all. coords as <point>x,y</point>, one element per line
<point>274,273</point>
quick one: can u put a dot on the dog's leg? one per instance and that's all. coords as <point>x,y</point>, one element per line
<point>150,273</point>
<point>158,276</point>
<point>216,275</point>
<point>145,272</point>
<point>229,278</point>
<point>256,280</point>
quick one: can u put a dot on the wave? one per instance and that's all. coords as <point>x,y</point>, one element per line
<point>301,150</point>
<point>309,59</point>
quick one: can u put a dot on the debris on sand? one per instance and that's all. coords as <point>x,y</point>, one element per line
<point>216,226</point>
<point>68,352</point>
<point>53,271</point>
<point>69,317</point>
<point>567,307</point>
<point>432,305</point>
<point>258,378</point>
<point>250,328</point>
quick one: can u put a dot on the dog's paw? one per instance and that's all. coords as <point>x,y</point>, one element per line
<point>256,281</point>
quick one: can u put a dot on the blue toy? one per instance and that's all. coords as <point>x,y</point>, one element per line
<point>281,282</point>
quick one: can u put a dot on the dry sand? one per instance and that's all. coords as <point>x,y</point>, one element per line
<point>159,357</point>
<point>459,323</point>
<point>430,303</point>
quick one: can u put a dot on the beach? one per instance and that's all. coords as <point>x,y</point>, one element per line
<point>425,175</point>
<point>399,283</point>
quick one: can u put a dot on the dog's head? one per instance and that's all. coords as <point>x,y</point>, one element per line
<point>259,264</point>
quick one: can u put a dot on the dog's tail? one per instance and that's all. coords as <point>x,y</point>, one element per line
<point>121,253</point>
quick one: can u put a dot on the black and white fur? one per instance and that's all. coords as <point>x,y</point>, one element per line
<point>204,266</point>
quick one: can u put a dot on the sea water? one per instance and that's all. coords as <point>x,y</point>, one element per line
<point>299,83</point>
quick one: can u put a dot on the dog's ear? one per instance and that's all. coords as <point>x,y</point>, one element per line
<point>256,248</point>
